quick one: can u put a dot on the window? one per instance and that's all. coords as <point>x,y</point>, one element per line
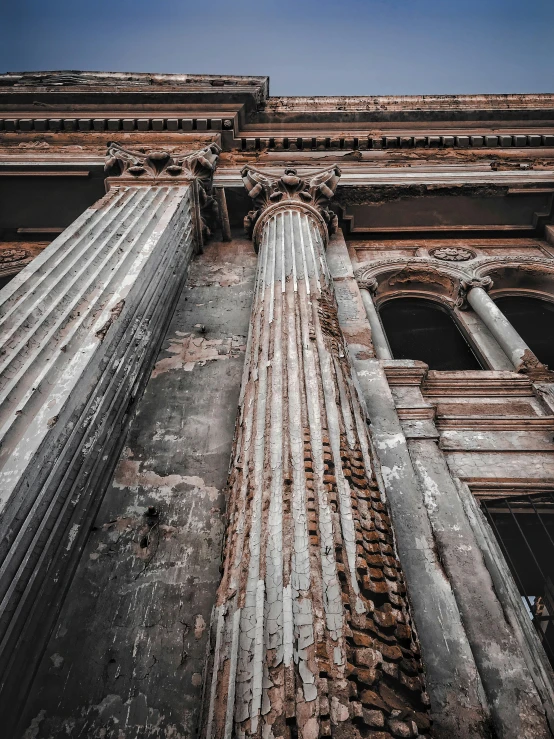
<point>524,528</point>
<point>423,330</point>
<point>533,319</point>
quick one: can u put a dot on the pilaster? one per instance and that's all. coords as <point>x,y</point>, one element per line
<point>81,326</point>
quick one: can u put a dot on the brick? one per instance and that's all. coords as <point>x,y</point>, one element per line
<point>367,657</point>
<point>372,699</point>
<point>384,620</point>
<point>361,639</point>
<point>373,718</point>
<point>366,676</point>
<point>391,652</point>
<point>401,729</point>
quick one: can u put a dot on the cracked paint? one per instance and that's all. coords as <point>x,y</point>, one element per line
<point>190,351</point>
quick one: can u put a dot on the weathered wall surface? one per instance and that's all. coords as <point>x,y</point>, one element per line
<point>127,654</point>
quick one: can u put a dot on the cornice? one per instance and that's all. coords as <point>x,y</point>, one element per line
<point>226,118</point>
<point>412,102</point>
<point>74,78</point>
<point>250,120</point>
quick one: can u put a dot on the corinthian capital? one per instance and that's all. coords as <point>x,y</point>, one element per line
<point>289,190</point>
<point>160,167</point>
<point>150,164</point>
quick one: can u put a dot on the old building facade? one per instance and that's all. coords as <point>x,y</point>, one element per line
<point>277,418</point>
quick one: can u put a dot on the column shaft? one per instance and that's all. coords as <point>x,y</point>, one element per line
<point>313,631</point>
<point>511,342</point>
<point>378,336</point>
<point>80,327</point>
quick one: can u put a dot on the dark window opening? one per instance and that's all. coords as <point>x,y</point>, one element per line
<point>533,319</point>
<point>524,528</point>
<point>4,279</point>
<point>422,330</point>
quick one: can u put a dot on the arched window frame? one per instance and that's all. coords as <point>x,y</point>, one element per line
<point>446,306</point>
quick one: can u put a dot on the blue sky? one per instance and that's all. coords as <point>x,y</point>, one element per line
<point>345,47</point>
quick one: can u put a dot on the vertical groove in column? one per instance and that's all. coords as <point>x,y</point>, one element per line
<point>313,630</point>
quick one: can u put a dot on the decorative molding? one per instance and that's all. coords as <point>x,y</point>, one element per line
<point>271,193</point>
<point>452,254</point>
<point>495,423</point>
<point>489,263</point>
<point>385,266</point>
<point>485,283</point>
<point>480,383</point>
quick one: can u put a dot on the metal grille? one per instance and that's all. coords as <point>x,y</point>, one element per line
<point>524,528</point>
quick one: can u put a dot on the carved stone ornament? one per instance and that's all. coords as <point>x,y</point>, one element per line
<point>270,193</point>
<point>452,254</point>
<point>7,256</point>
<point>162,167</point>
<point>162,164</point>
<point>485,283</point>
<point>366,283</point>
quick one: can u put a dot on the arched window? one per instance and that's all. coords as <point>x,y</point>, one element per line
<point>533,319</point>
<point>423,330</point>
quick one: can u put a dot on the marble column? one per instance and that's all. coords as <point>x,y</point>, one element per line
<point>312,630</point>
<point>519,354</point>
<point>378,336</point>
<point>80,327</point>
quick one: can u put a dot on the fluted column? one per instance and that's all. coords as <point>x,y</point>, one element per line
<point>80,327</point>
<point>313,634</point>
